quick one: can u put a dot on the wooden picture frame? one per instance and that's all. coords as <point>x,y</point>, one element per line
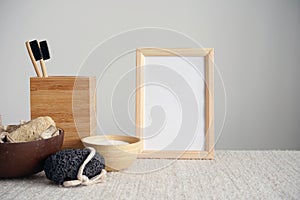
<point>208,54</point>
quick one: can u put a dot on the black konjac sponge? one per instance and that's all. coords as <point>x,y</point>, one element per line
<point>64,165</point>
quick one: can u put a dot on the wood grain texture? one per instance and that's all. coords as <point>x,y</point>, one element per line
<point>174,51</point>
<point>209,107</point>
<point>139,115</point>
<point>70,101</point>
<point>172,154</point>
<point>208,54</point>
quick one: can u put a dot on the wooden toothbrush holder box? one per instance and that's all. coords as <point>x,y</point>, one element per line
<point>70,101</point>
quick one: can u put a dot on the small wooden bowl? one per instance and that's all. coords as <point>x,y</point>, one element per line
<point>26,158</point>
<point>119,156</point>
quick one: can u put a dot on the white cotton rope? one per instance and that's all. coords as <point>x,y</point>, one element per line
<point>84,180</point>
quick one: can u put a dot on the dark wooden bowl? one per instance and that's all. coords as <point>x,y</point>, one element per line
<point>26,158</point>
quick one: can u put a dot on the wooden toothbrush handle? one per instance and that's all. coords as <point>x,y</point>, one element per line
<point>44,69</point>
<point>35,65</point>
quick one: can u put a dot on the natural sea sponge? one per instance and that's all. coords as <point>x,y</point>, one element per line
<point>64,165</point>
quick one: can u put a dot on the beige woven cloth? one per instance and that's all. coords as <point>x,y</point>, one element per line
<point>232,175</point>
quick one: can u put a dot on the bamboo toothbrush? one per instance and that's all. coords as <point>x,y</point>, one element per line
<point>45,56</point>
<point>33,60</point>
<point>35,47</point>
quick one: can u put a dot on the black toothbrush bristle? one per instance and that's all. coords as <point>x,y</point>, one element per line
<point>35,50</point>
<point>44,50</point>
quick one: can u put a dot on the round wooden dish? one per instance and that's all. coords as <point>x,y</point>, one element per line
<point>26,158</point>
<point>119,156</point>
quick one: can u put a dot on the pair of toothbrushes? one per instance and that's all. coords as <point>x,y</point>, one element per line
<point>38,51</point>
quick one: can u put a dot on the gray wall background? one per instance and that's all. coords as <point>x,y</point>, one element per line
<point>257,52</point>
